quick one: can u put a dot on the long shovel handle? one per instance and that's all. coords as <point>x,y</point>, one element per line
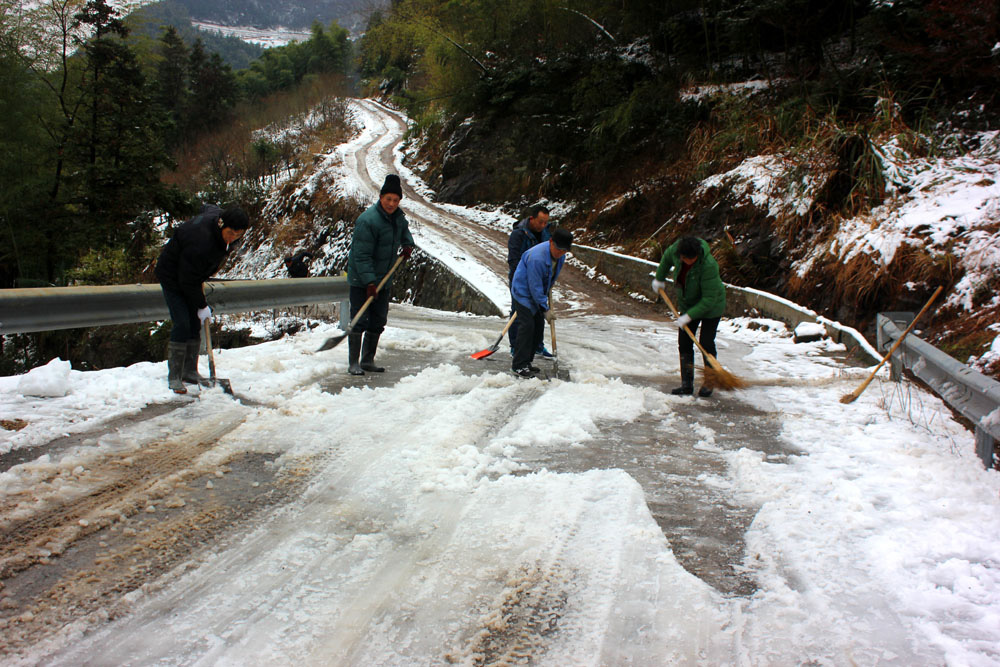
<point>378,288</point>
<point>712,361</point>
<point>850,398</point>
<point>211,355</point>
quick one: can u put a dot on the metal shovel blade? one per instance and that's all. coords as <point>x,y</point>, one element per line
<point>332,342</point>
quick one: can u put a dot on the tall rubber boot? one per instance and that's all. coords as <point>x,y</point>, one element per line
<point>353,354</point>
<point>687,376</point>
<point>176,355</point>
<point>191,376</point>
<point>368,354</point>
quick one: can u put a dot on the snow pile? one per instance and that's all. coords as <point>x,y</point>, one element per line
<point>739,88</point>
<point>50,380</point>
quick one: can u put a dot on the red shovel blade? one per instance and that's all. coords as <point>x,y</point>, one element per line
<point>482,354</point>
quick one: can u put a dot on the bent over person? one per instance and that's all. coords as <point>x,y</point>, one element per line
<point>381,234</point>
<point>536,273</point>
<point>701,301</point>
<point>190,257</point>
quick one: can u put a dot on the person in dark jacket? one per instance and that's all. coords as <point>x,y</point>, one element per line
<point>701,300</point>
<point>298,264</point>
<point>526,234</point>
<point>381,234</point>
<point>536,273</point>
<point>190,257</point>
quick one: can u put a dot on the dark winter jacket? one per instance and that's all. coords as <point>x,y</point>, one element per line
<point>375,244</point>
<point>296,264</point>
<point>520,240</point>
<point>534,277</point>
<point>193,255</point>
<point>703,295</point>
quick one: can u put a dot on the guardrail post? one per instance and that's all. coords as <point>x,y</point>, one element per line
<point>984,447</point>
<point>884,341</point>
<point>345,315</point>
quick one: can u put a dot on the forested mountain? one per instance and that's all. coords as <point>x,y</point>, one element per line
<point>791,134</point>
<point>149,21</point>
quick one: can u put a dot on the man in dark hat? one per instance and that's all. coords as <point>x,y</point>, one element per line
<point>536,273</point>
<point>381,234</point>
<point>190,257</point>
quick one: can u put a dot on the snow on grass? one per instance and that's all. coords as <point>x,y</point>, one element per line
<point>774,183</point>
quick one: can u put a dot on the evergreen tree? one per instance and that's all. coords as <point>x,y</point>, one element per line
<point>172,89</point>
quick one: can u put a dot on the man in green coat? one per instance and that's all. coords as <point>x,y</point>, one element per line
<point>701,300</point>
<point>381,234</point>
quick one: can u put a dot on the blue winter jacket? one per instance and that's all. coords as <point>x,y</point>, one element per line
<point>534,278</point>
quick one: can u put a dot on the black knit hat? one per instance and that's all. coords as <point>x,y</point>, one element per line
<point>563,238</point>
<point>391,185</point>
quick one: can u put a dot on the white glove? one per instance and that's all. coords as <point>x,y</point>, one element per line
<point>204,314</point>
<point>658,285</point>
<point>683,321</point>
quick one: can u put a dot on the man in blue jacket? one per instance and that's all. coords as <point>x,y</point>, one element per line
<point>526,234</point>
<point>190,257</point>
<point>381,234</point>
<point>530,288</point>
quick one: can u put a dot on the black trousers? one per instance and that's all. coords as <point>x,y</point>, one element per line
<point>529,335</point>
<point>186,326</point>
<point>709,327</point>
<point>377,314</point>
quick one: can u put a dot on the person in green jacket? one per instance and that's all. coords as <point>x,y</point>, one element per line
<point>701,300</point>
<point>381,234</point>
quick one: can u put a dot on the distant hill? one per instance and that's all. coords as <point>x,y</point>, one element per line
<point>350,14</point>
<point>148,22</point>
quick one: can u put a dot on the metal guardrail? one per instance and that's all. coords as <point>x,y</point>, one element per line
<point>971,393</point>
<point>50,308</point>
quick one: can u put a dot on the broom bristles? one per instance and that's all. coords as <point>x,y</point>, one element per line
<point>715,378</point>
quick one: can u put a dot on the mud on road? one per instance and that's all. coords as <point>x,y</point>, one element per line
<point>132,504</point>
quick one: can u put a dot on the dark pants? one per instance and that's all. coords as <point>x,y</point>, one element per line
<point>529,335</point>
<point>707,338</point>
<point>183,315</point>
<point>377,314</point>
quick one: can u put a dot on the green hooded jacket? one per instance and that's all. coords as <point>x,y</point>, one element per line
<point>375,245</point>
<point>704,293</point>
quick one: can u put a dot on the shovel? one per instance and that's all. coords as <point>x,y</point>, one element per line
<point>555,353</point>
<point>222,382</point>
<point>482,354</point>
<point>334,341</point>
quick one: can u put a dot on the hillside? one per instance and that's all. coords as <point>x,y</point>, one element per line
<point>846,160</point>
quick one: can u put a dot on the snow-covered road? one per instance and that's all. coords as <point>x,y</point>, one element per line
<point>450,513</point>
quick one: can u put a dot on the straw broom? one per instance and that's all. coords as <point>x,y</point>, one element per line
<point>853,396</point>
<point>715,376</point>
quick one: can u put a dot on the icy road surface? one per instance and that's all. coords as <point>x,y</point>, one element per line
<point>453,514</point>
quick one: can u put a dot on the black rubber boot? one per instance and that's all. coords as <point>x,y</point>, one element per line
<point>176,355</point>
<point>192,348</point>
<point>368,355</point>
<point>704,391</point>
<point>687,376</point>
<point>353,353</point>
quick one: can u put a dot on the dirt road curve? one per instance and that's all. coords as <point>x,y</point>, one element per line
<point>487,245</point>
